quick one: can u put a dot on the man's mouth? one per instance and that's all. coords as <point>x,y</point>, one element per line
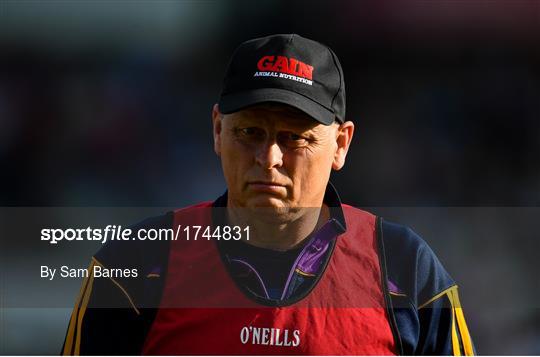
<point>266,187</point>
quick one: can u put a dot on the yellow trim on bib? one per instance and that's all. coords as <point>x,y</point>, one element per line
<point>121,288</point>
<point>68,346</point>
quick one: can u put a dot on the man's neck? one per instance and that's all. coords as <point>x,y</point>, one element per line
<point>278,234</point>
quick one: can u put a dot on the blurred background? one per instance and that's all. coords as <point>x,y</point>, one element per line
<point>108,103</point>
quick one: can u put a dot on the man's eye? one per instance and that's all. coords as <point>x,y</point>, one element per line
<point>246,131</point>
<point>250,132</point>
<point>296,137</point>
<point>293,139</point>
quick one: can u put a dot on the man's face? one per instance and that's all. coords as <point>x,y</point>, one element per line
<point>275,156</point>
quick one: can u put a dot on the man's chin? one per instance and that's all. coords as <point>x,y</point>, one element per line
<point>271,209</point>
<point>267,201</point>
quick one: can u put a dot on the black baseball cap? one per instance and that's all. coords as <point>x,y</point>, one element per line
<point>288,69</point>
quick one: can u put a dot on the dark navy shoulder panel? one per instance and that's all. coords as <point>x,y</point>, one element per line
<point>412,267</point>
<point>149,258</point>
<point>414,276</point>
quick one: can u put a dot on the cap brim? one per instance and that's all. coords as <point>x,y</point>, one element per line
<point>230,103</point>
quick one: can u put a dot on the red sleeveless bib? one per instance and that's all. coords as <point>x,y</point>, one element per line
<point>203,311</point>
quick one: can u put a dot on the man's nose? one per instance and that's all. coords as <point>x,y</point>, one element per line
<point>269,155</point>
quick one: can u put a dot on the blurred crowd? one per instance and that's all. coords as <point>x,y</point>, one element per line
<point>109,103</point>
<point>445,115</point>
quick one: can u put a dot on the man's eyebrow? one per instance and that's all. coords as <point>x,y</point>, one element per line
<point>302,124</point>
<point>301,128</point>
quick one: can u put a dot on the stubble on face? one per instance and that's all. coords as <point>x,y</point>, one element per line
<point>276,160</point>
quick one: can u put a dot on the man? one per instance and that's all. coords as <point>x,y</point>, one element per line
<point>303,273</point>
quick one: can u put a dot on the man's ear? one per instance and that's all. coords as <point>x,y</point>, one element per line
<point>343,139</point>
<point>217,117</point>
